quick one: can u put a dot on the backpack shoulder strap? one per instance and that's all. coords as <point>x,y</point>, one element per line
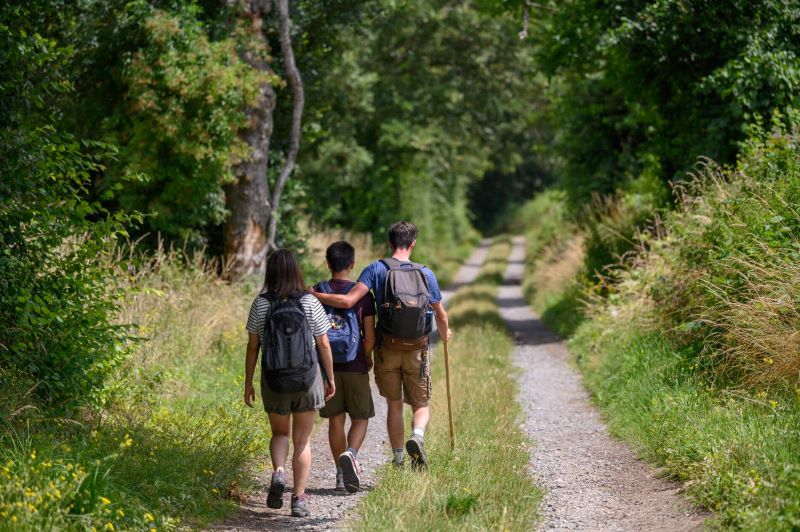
<point>324,287</point>
<point>391,263</point>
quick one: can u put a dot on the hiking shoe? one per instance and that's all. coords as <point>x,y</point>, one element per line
<point>276,487</point>
<point>350,471</point>
<point>300,506</point>
<point>339,481</point>
<point>416,450</point>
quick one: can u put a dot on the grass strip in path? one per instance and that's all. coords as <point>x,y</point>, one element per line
<point>484,483</point>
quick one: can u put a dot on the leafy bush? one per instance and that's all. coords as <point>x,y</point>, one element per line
<point>57,291</point>
<point>647,87</point>
<point>724,274</point>
<point>173,100</point>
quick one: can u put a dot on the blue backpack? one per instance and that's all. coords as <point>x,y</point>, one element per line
<point>344,335</point>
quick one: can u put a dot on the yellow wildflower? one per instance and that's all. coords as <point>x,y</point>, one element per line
<point>33,454</point>
<point>148,517</point>
<point>769,361</point>
<point>104,500</point>
<point>120,513</point>
<point>110,526</point>
<point>773,404</point>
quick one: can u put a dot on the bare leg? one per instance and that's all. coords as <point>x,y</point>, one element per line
<point>394,423</point>
<point>279,443</point>
<point>421,417</point>
<point>336,436</point>
<point>357,433</point>
<point>302,426</point>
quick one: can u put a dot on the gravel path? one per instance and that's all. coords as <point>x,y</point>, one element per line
<point>331,509</point>
<point>592,481</point>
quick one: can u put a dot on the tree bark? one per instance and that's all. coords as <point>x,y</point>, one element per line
<point>298,102</point>
<point>247,199</point>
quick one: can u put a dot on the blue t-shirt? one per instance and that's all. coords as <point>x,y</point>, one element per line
<point>374,276</point>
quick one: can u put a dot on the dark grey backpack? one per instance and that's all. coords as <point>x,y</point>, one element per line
<point>289,361</point>
<point>406,300</point>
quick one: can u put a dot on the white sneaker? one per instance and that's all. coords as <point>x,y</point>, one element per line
<point>350,471</point>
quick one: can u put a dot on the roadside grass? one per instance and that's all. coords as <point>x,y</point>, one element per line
<point>174,445</point>
<point>484,483</point>
<point>736,451</point>
<point>690,347</point>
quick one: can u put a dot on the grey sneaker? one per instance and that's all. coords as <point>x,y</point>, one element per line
<point>300,506</point>
<point>276,487</point>
<point>339,481</point>
<point>350,471</point>
<point>415,448</point>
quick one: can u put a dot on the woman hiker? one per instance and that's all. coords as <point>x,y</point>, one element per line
<point>290,324</point>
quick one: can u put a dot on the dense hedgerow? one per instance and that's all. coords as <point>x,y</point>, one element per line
<point>57,288</point>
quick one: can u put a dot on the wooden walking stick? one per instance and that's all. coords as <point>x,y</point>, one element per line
<point>449,401</point>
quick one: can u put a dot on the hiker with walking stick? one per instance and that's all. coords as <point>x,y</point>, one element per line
<point>408,299</point>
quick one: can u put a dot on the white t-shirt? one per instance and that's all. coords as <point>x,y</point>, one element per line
<point>315,314</point>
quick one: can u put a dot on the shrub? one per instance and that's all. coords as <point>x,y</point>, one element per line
<point>56,289</point>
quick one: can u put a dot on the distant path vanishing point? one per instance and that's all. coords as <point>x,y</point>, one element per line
<point>592,481</point>
<point>330,510</point>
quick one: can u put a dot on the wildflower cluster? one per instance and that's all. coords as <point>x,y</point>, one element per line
<point>43,492</point>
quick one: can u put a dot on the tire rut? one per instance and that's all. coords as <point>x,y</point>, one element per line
<point>592,481</point>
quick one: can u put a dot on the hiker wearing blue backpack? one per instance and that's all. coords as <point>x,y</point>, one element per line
<point>289,324</point>
<point>352,338</point>
<point>408,297</point>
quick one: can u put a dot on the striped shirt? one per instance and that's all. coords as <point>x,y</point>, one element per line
<point>315,315</point>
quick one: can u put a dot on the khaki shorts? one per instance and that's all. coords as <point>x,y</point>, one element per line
<point>404,375</point>
<point>353,396</point>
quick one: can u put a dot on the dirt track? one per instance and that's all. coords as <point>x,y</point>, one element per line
<point>592,481</point>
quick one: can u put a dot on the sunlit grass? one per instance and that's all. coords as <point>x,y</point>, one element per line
<point>483,484</point>
<point>174,445</point>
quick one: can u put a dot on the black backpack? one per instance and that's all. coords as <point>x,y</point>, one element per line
<point>289,361</point>
<point>406,310</point>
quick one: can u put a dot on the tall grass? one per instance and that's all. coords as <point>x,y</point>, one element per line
<point>484,483</point>
<point>173,444</point>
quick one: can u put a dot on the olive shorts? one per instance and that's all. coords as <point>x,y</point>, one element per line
<point>284,404</point>
<point>353,396</point>
<point>404,375</point>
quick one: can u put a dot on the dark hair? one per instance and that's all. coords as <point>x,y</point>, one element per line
<point>402,234</point>
<point>340,255</point>
<point>283,277</point>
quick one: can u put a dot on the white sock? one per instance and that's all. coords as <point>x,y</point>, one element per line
<point>418,432</point>
<point>398,455</point>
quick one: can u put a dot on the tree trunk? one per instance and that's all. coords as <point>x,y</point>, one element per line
<point>248,197</point>
<point>298,102</point>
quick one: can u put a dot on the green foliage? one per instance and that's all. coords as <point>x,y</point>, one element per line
<point>646,87</point>
<point>173,103</point>
<point>692,351</point>
<point>426,99</point>
<point>57,292</point>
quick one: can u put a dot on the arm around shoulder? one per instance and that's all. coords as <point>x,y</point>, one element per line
<point>347,300</point>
